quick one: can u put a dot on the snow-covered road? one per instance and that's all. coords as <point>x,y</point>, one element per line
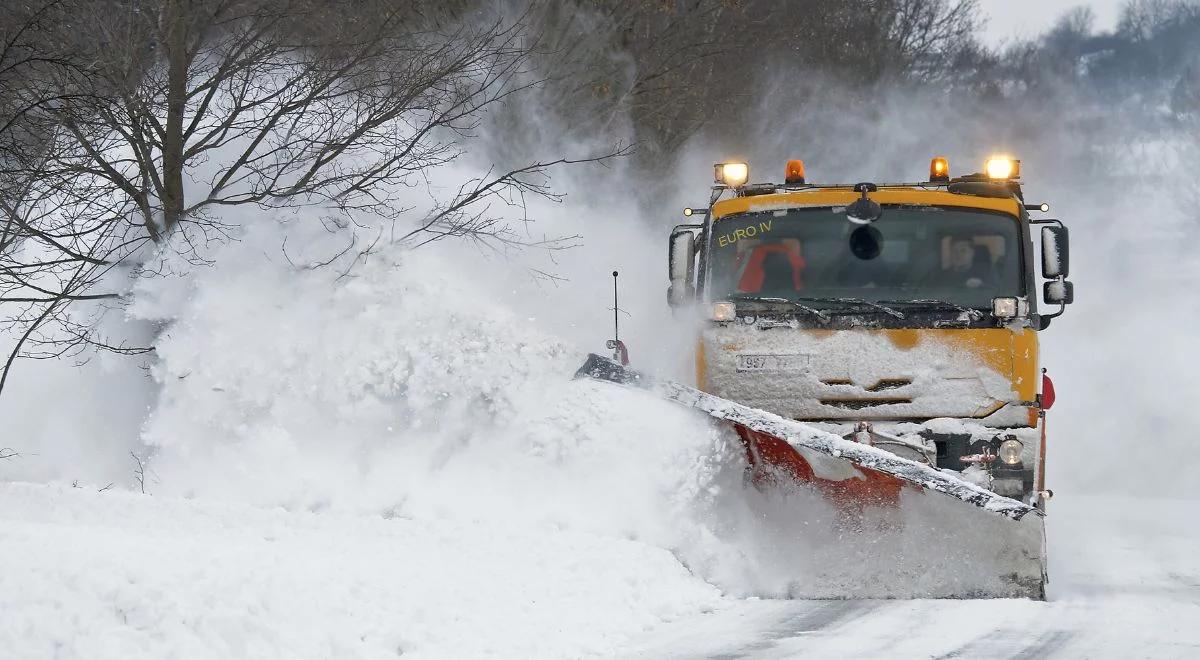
<point>120,575</point>
<point>1125,584</point>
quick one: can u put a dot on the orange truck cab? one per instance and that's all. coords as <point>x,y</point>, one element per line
<point>904,315</point>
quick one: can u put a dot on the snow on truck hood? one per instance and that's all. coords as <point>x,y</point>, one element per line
<point>872,374</point>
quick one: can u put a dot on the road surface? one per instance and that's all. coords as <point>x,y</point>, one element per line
<point>1125,583</point>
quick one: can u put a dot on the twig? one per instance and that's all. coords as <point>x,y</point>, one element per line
<point>140,473</point>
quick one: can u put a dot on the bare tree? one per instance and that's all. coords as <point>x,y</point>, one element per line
<point>672,69</point>
<point>172,109</point>
<point>239,105</point>
<point>1142,20</point>
<point>37,254</point>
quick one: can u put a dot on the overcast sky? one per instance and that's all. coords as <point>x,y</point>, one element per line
<point>1008,19</point>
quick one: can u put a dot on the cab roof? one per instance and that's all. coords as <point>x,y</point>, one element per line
<point>759,197</point>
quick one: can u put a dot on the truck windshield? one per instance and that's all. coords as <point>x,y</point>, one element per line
<point>965,257</point>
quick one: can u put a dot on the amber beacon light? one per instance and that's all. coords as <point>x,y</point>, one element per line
<point>939,170</point>
<point>794,173</point>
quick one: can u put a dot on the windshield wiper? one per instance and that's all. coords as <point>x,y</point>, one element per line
<point>975,314</point>
<point>771,299</point>
<point>860,301</point>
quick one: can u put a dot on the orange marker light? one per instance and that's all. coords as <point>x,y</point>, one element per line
<point>794,172</point>
<point>939,169</point>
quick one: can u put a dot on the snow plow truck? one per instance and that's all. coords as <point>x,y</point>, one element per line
<point>878,343</point>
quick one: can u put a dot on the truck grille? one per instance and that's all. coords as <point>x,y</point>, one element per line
<point>881,386</point>
<point>860,404</point>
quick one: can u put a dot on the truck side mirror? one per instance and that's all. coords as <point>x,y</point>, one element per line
<point>1058,292</point>
<point>681,255</point>
<point>1056,262</point>
<point>678,294</point>
<point>681,259</point>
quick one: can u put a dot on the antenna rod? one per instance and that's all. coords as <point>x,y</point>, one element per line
<point>620,353</point>
<point>616,311</point>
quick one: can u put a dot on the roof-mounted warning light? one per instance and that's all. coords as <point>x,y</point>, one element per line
<point>734,175</point>
<point>794,173</point>
<point>1002,167</point>
<point>939,170</point>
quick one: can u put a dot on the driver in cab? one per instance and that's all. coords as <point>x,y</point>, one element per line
<point>969,265</point>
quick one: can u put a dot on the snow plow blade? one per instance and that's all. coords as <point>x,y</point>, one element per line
<point>798,434</point>
<point>857,478</point>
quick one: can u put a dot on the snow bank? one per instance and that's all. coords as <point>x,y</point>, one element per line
<point>120,575</point>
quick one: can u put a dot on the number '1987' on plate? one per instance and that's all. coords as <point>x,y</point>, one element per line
<point>794,362</point>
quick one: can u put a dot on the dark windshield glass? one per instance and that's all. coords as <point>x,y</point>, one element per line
<point>958,256</point>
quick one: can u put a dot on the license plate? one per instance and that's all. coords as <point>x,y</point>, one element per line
<point>772,362</point>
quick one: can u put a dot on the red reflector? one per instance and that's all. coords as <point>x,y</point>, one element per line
<point>1047,391</point>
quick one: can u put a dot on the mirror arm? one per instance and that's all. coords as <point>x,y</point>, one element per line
<point>1047,221</point>
<point>1062,307</point>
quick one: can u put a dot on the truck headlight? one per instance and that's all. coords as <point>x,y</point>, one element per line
<point>1009,308</point>
<point>1010,451</point>
<point>724,311</point>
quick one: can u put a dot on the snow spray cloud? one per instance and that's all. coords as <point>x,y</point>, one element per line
<point>54,445</point>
